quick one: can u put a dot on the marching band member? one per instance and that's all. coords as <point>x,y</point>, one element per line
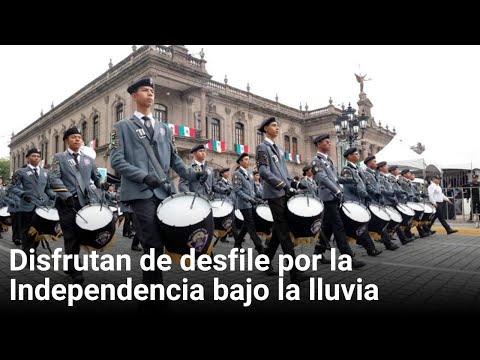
<point>227,186</point>
<point>307,183</point>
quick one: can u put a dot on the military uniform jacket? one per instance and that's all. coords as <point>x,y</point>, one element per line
<point>208,188</point>
<point>226,186</point>
<point>24,182</point>
<point>326,176</point>
<point>69,179</point>
<point>130,159</point>
<point>244,187</point>
<point>272,169</point>
<point>386,189</point>
<point>401,194</point>
<point>405,185</point>
<point>310,184</point>
<point>372,183</point>
<point>13,202</point>
<point>355,191</point>
<point>258,189</point>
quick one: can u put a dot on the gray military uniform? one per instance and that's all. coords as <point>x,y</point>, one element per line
<point>386,189</point>
<point>405,185</point>
<point>310,184</point>
<point>244,187</point>
<point>69,179</point>
<point>207,188</point>
<point>258,189</point>
<point>372,184</point>
<point>355,191</point>
<point>326,176</point>
<point>401,194</point>
<point>226,186</point>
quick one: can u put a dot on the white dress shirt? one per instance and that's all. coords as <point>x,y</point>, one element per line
<point>435,193</point>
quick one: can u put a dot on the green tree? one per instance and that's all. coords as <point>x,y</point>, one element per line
<point>5,169</point>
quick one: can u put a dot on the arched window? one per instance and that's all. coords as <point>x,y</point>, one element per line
<point>96,130</point>
<point>215,129</point>
<point>294,146</point>
<point>160,113</point>
<point>84,131</point>
<point>286,141</point>
<point>259,137</point>
<point>56,144</point>
<point>45,152</point>
<point>18,161</point>
<point>239,133</point>
<point>119,112</point>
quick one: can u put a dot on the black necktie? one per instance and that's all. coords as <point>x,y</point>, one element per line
<point>36,173</point>
<point>75,157</point>
<point>275,148</point>
<point>148,125</point>
<point>203,167</point>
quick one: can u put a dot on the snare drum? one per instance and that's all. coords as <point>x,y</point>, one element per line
<point>96,226</point>
<point>406,213</point>
<point>263,219</point>
<point>45,224</point>
<point>186,224</point>
<point>395,218</point>
<point>304,218</point>
<point>355,217</point>
<point>238,219</point>
<point>428,213</point>
<point>222,216</point>
<point>5,218</point>
<point>380,219</point>
<point>418,208</point>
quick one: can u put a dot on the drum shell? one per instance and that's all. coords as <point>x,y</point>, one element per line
<point>418,213</point>
<point>5,217</point>
<point>224,223</point>
<point>180,239</point>
<point>44,226</point>
<point>392,224</point>
<point>261,225</point>
<point>303,226</point>
<point>238,221</point>
<point>100,237</point>
<point>352,227</point>
<point>377,224</point>
<point>406,219</point>
<point>427,216</point>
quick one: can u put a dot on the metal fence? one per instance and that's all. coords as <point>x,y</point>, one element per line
<point>461,197</point>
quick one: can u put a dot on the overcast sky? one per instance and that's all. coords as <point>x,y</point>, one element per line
<point>428,93</point>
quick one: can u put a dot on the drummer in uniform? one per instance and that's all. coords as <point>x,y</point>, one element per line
<point>207,188</point>
<point>258,184</point>
<point>357,191</point>
<point>13,208</point>
<point>71,173</point>
<point>307,183</point>
<point>330,192</point>
<point>226,185</point>
<point>404,182</point>
<point>243,185</point>
<point>32,185</point>
<point>374,189</point>
<point>423,229</point>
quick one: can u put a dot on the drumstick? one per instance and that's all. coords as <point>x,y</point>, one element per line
<point>193,201</point>
<point>308,200</point>
<point>81,217</point>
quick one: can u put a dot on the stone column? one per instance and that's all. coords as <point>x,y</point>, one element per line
<point>203,114</point>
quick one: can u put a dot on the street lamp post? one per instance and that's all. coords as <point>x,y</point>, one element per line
<point>350,127</point>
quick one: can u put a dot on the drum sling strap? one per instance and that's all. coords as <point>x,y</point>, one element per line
<point>151,155</point>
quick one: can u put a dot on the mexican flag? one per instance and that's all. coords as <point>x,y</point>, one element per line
<point>239,149</point>
<point>186,131</point>
<point>174,128</point>
<point>216,145</point>
<point>288,156</point>
<point>298,158</point>
<point>92,144</point>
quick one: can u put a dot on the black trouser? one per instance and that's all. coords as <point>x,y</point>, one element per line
<point>16,226</point>
<point>69,228</point>
<point>248,225</point>
<point>475,207</point>
<point>28,241</point>
<point>136,237</point>
<point>127,223</point>
<point>332,223</point>
<point>281,229</point>
<point>366,241</point>
<point>441,217</point>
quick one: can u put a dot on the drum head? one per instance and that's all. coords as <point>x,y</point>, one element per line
<point>220,210</point>
<point>4,211</point>
<point>302,206</point>
<point>175,210</point>
<point>379,212</point>
<point>394,214</point>
<point>405,210</point>
<point>239,215</point>
<point>113,208</point>
<point>415,206</point>
<point>264,212</point>
<point>429,208</point>
<point>48,213</point>
<point>96,217</point>
<point>356,211</point>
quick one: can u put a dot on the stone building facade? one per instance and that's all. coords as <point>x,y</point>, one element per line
<point>201,108</point>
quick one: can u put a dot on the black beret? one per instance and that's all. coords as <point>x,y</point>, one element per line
<point>392,168</point>
<point>321,137</point>
<point>197,147</point>
<point>306,167</point>
<point>267,121</point>
<point>71,131</point>
<point>242,155</point>
<point>436,177</point>
<point>32,151</point>
<point>222,170</point>
<point>404,171</point>
<point>349,151</point>
<point>143,82</point>
<point>255,172</point>
<point>381,163</point>
<point>368,158</point>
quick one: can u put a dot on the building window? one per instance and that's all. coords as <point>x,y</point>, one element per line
<point>294,146</point>
<point>56,143</point>
<point>160,112</point>
<point>45,157</point>
<point>215,129</point>
<point>239,133</point>
<point>119,112</point>
<point>286,144</point>
<point>259,137</point>
<point>84,130</point>
<point>18,161</point>
<point>96,129</point>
